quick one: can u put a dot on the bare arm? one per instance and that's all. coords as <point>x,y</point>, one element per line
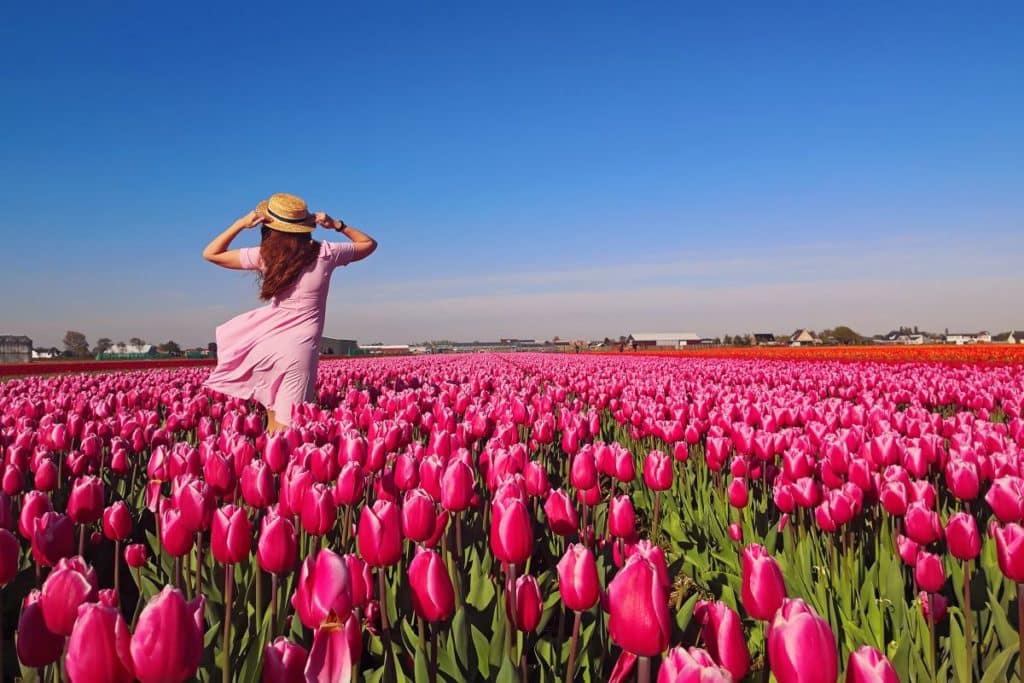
<point>217,250</point>
<point>364,244</point>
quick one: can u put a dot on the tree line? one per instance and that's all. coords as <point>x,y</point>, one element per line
<point>76,345</point>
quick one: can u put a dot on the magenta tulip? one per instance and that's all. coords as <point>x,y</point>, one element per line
<point>511,531</point>
<point>457,483</point>
<point>257,484</point>
<point>738,494</point>
<point>231,535</point>
<point>621,517</point>
<point>801,646</point>
<point>577,578</point>
<point>962,536</point>
<point>691,666</point>
<point>722,632</point>
<point>380,534</point>
<point>99,650</point>
<point>764,589</point>
<point>319,511</point>
<point>929,573</point>
<point>323,588</point>
<point>135,555</point>
<point>561,513</point>
<point>433,596</point>
<point>418,515</point>
<point>658,471</point>
<point>117,521</point>
<point>34,505</point>
<point>37,646</point>
<point>284,662</point>
<point>53,538</point>
<point>176,534</point>
<point>638,608</point>
<point>167,645</point>
<point>529,604</point>
<point>71,584</point>
<point>868,665</point>
<point>330,657</point>
<point>85,504</point>
<point>1010,550</point>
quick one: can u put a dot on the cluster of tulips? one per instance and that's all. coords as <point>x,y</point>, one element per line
<point>518,517</point>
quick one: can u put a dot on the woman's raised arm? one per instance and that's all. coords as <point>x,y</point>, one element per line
<point>217,250</point>
<point>364,244</point>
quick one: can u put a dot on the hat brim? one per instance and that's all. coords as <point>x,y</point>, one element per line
<point>306,226</point>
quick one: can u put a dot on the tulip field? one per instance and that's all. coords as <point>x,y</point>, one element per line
<point>519,517</point>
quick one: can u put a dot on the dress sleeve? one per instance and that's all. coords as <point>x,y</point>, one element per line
<point>249,258</point>
<point>341,253</point>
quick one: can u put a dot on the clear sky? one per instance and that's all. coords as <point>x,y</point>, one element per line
<point>529,170</point>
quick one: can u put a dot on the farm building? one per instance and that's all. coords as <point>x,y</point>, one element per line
<point>803,338</point>
<point>122,351</point>
<point>338,347</point>
<point>386,349</point>
<point>960,338</point>
<point>1011,337</point>
<point>663,340</point>
<point>45,354</point>
<point>764,339</point>
<point>15,349</point>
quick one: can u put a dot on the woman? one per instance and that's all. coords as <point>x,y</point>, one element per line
<point>270,354</point>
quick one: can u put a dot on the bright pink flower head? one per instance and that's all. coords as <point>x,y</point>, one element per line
<point>324,586</point>
<point>99,650</point>
<point>801,646</point>
<point>117,521</point>
<point>257,484</point>
<point>561,513</point>
<point>621,517</point>
<point>85,504</point>
<point>135,555</point>
<point>167,645</point>
<point>380,534</point>
<point>638,608</point>
<point>231,535</point>
<point>722,632</point>
<point>418,515</point>
<point>658,471</point>
<point>71,584</point>
<point>1010,550</point>
<point>529,603</point>
<point>511,531</point>
<point>868,665</point>
<point>738,495</point>
<point>457,486</point>
<point>53,538</point>
<point>319,511</point>
<point>923,525</point>
<point>962,536</point>
<point>928,572</point>
<point>764,589</point>
<point>284,662</point>
<point>176,534</point>
<point>577,578</point>
<point>433,596</point>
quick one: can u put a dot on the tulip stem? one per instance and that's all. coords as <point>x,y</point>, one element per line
<point>570,671</point>
<point>433,654</point>
<point>81,541</point>
<point>1020,628</point>
<point>199,563</point>
<point>138,602</point>
<point>657,516</point>
<point>931,635</point>
<point>229,588</point>
<point>643,670</point>
<point>968,617</point>
<point>273,604</point>
<point>510,595</point>
<point>389,670</point>
<point>117,572</point>
<point>258,574</point>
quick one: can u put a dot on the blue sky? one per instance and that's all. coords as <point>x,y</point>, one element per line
<point>580,170</point>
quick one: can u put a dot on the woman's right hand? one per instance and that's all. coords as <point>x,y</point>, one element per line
<point>251,219</point>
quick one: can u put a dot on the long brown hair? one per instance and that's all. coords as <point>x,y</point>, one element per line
<point>285,256</point>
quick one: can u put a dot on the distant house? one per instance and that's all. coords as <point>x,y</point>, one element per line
<point>15,349</point>
<point>45,354</point>
<point>803,338</point>
<point>338,347</point>
<point>764,339</point>
<point>121,351</point>
<point>1011,337</point>
<point>960,338</point>
<point>663,340</point>
<point>903,338</point>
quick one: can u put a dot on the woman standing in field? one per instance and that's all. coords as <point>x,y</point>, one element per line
<point>270,354</point>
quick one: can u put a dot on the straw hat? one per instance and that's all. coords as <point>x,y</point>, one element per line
<point>287,213</point>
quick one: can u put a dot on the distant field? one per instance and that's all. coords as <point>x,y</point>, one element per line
<point>57,367</point>
<point>938,353</point>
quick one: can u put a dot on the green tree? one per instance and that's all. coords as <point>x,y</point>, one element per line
<point>135,341</point>
<point>844,335</point>
<point>75,344</point>
<point>170,347</point>
<point>102,346</point>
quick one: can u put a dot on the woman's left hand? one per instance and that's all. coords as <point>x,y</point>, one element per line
<point>251,219</point>
<point>326,221</point>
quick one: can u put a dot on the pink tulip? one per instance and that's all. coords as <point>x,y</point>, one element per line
<point>529,604</point>
<point>167,645</point>
<point>349,489</point>
<point>1010,550</point>
<point>621,517</point>
<point>433,596</point>
<point>418,515</point>
<point>963,479</point>
<point>380,534</point>
<point>457,483</point>
<point>34,505</point>
<point>923,525</point>
<point>929,573</point>
<point>257,484</point>
<point>71,584</point>
<point>53,538</point>
<point>37,646</point>
<point>330,658</point>
<point>135,555</point>
<point>536,476</point>
<point>962,536</point>
<point>176,534</point>
<point>324,587</point>
<point>577,578</point>
<point>801,646</point>
<point>583,471</point>
<point>319,512</point>
<point>638,608</point>
<point>764,589</point>
<point>930,600</point>
<point>85,504</point>
<point>284,662</point>
<point>691,666</point>
<point>561,513</point>
<point>231,535</point>
<point>117,521</point>
<point>658,471</point>
<point>99,650</point>
<point>868,665</point>
<point>738,495</point>
<point>1006,498</point>
<point>722,633</point>
<point>511,531</point>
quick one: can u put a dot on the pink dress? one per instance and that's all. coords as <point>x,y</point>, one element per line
<point>270,354</point>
